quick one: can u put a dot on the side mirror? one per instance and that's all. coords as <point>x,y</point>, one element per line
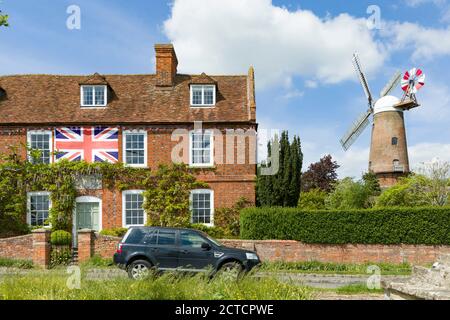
<point>206,246</point>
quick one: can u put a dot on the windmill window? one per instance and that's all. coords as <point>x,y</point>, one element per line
<point>394,141</point>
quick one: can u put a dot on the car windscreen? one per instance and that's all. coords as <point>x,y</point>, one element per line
<point>214,241</point>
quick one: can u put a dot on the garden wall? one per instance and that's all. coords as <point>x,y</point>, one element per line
<point>35,246</point>
<point>17,247</point>
<point>292,251</point>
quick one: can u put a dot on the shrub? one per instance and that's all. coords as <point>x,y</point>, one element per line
<point>412,191</point>
<point>167,202</point>
<point>349,194</point>
<point>60,255</point>
<point>114,232</point>
<point>314,199</point>
<point>215,232</point>
<point>228,218</point>
<point>61,238</point>
<point>428,225</point>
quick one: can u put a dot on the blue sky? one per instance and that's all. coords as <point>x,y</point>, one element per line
<point>301,51</point>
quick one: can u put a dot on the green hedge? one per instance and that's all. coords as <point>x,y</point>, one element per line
<point>429,226</point>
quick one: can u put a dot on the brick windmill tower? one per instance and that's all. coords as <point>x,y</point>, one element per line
<point>388,148</point>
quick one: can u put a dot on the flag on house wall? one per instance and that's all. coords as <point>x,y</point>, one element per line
<point>92,144</point>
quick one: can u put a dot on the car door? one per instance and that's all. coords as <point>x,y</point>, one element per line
<point>162,246</point>
<point>192,255</point>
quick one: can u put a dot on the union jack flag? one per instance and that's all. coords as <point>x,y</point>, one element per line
<point>92,144</point>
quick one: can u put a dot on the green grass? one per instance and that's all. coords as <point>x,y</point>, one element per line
<point>52,286</point>
<point>335,268</point>
<point>16,263</point>
<point>357,289</point>
<point>98,262</point>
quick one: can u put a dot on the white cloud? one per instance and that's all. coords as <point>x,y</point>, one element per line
<point>311,84</point>
<point>435,104</point>
<point>353,163</point>
<point>425,43</point>
<point>292,94</point>
<point>220,37</point>
<point>417,3</point>
<point>426,152</point>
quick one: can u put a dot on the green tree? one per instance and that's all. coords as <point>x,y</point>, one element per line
<point>3,19</point>
<point>314,199</point>
<point>408,192</point>
<point>320,175</point>
<point>348,194</point>
<point>282,188</point>
<point>167,203</point>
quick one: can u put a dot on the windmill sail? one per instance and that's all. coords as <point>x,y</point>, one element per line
<point>356,129</point>
<point>394,82</point>
<point>362,78</point>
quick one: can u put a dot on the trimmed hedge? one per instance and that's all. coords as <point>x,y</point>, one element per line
<point>429,226</point>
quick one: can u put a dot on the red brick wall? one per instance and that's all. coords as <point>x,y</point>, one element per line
<point>229,181</point>
<point>12,136</point>
<point>105,246</point>
<point>291,251</point>
<point>17,247</point>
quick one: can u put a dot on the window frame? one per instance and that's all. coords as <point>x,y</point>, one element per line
<point>211,201</point>
<point>93,105</point>
<point>124,149</point>
<point>49,133</point>
<point>203,104</point>
<point>124,208</point>
<point>211,146</point>
<point>38,193</point>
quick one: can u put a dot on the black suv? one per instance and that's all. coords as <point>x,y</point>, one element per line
<point>145,248</point>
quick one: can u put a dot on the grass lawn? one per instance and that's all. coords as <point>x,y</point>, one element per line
<point>53,286</point>
<point>335,268</point>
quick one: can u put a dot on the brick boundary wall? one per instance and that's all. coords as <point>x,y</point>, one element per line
<point>17,247</point>
<point>292,251</point>
<point>36,247</point>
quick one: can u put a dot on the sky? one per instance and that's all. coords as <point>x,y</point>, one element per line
<point>301,52</point>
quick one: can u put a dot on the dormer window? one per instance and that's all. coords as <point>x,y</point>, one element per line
<point>94,96</point>
<point>203,95</point>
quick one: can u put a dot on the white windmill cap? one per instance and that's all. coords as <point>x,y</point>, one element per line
<point>386,103</point>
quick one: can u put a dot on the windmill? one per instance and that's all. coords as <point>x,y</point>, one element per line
<point>388,149</point>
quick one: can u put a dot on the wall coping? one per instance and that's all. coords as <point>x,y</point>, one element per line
<point>29,235</point>
<point>41,231</point>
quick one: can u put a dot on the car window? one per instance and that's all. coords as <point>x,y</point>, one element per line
<point>135,236</point>
<point>166,237</point>
<point>151,237</point>
<point>191,239</point>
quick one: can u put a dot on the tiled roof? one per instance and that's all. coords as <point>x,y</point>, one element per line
<point>40,99</point>
<point>203,79</point>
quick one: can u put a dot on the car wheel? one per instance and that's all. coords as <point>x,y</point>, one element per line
<point>231,266</point>
<point>139,269</point>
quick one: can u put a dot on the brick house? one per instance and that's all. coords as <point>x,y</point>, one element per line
<point>142,121</point>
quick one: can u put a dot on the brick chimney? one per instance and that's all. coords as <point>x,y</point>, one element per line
<point>166,65</point>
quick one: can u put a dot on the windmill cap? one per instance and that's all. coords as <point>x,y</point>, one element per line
<point>385,104</point>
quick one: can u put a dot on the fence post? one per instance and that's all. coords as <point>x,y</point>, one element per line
<point>41,248</point>
<point>86,239</point>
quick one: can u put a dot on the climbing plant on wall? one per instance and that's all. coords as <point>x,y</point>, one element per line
<point>19,176</point>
